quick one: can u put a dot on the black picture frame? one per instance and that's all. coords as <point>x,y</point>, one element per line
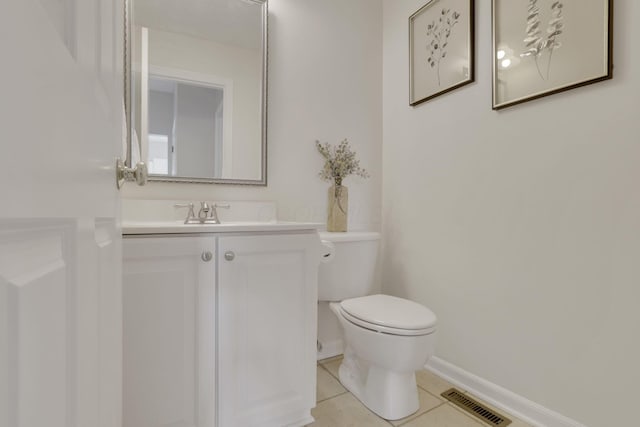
<point>558,45</point>
<point>441,48</point>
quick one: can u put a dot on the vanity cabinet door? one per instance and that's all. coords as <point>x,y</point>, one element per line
<point>267,304</point>
<point>169,332</point>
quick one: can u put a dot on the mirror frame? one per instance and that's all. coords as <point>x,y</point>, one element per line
<point>128,101</point>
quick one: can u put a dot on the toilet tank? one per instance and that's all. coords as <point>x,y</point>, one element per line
<point>351,271</point>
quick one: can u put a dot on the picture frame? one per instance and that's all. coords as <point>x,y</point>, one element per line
<point>441,48</point>
<point>543,47</point>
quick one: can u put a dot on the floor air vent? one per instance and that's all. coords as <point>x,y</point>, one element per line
<point>475,408</point>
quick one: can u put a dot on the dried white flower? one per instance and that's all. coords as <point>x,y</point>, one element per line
<point>340,162</point>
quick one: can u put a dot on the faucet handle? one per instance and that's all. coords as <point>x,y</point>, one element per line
<point>214,213</point>
<point>190,214</point>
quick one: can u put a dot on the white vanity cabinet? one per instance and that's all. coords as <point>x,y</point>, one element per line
<point>228,342</point>
<point>267,303</point>
<point>169,331</point>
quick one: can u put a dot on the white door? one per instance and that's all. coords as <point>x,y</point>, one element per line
<point>60,285</point>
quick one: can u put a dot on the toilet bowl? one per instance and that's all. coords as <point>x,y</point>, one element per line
<point>386,339</point>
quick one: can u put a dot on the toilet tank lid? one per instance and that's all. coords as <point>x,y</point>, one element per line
<point>349,236</point>
<point>393,312</point>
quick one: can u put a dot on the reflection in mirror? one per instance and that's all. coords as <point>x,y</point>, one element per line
<point>198,84</point>
<point>187,128</point>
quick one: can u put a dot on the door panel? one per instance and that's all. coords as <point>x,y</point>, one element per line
<point>61,15</point>
<point>60,284</point>
<point>108,276</point>
<point>37,286</point>
<point>61,115</point>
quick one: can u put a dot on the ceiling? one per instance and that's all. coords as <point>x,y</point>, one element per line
<point>231,22</point>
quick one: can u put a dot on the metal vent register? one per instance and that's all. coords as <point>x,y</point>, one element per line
<point>475,408</point>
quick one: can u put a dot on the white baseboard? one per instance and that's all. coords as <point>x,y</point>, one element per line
<point>330,349</point>
<point>511,403</point>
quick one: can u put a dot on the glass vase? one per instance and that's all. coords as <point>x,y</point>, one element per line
<point>337,208</point>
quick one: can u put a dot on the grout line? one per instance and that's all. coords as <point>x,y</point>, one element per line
<point>363,405</point>
<point>437,396</point>
<point>421,415</point>
<point>373,413</point>
<point>330,373</point>
<point>332,397</point>
<point>322,367</point>
<point>330,359</point>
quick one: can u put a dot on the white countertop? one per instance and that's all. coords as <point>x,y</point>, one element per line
<point>178,227</point>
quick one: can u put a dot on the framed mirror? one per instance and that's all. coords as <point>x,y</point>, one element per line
<point>196,89</point>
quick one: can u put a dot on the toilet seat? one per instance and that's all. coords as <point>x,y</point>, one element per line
<point>389,315</point>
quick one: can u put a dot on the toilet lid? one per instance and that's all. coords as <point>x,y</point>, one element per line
<point>390,312</point>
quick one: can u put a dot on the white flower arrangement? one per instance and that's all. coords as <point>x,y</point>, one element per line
<point>340,162</point>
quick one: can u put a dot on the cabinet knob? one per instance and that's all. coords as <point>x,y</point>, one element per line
<point>229,256</point>
<point>207,256</point>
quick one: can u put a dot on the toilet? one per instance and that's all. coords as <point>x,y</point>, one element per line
<point>386,339</point>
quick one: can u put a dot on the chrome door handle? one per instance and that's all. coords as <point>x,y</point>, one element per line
<point>229,256</point>
<point>138,174</point>
<point>207,256</point>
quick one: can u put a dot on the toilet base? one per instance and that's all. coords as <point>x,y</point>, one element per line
<point>391,395</point>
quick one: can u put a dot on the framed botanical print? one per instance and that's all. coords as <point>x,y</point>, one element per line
<point>542,47</point>
<point>441,48</point>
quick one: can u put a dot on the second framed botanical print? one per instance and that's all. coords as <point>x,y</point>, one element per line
<point>541,47</point>
<point>441,48</point>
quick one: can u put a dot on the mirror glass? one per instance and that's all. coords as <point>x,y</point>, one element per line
<point>198,89</point>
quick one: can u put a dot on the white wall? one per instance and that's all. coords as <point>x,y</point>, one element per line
<point>521,228</point>
<point>325,74</point>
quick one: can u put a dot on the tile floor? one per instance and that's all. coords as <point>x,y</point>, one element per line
<point>339,408</point>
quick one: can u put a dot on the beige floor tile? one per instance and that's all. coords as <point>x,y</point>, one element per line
<point>443,416</point>
<point>333,366</point>
<point>431,382</point>
<point>330,359</point>
<point>327,386</point>
<point>427,403</point>
<point>345,411</point>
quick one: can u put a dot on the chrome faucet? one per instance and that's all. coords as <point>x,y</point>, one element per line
<point>206,215</point>
<point>203,213</point>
